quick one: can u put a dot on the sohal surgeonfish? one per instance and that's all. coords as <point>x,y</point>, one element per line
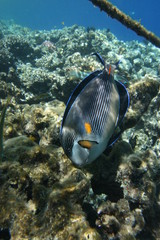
<point>94,110</point>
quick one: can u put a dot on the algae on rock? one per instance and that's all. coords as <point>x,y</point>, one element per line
<point>2,118</point>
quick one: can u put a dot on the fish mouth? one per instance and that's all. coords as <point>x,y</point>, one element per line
<point>81,165</point>
<point>85,163</point>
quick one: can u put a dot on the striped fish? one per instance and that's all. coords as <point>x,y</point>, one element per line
<point>94,110</point>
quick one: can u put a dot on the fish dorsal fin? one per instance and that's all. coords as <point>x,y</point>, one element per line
<point>100,58</point>
<point>87,143</point>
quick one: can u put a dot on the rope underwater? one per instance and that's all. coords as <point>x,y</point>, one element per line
<point>126,20</point>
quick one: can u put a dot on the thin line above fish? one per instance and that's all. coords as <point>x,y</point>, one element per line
<point>94,110</point>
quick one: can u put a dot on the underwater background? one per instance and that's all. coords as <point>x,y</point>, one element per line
<point>45,51</point>
<point>39,14</point>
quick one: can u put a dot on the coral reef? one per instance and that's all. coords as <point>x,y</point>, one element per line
<point>42,195</point>
<point>130,182</point>
<point>44,192</point>
<point>34,67</point>
<point>2,119</point>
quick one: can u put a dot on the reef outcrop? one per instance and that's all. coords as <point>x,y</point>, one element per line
<point>42,195</point>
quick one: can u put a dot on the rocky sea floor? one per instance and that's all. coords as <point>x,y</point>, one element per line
<point>42,195</point>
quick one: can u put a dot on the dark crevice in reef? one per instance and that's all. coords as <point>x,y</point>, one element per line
<point>105,178</point>
<point>28,190</point>
<point>133,205</point>
<point>90,213</point>
<point>112,189</point>
<point>5,234</point>
<point>64,91</point>
<point>152,220</point>
<point>147,235</point>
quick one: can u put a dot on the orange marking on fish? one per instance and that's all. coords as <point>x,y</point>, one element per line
<point>85,144</point>
<point>88,128</point>
<point>109,71</point>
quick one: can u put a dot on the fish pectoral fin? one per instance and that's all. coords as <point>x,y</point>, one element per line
<point>87,143</point>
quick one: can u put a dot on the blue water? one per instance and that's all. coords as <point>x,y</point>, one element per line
<point>49,14</point>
